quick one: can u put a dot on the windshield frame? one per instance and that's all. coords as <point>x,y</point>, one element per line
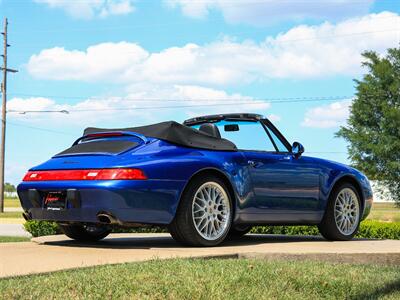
<point>266,125</point>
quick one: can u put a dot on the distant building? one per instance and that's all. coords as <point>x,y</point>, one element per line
<point>381,193</point>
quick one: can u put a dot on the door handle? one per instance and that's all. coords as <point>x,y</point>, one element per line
<point>286,157</point>
<point>252,163</point>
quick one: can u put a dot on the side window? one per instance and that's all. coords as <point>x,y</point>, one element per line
<point>247,136</point>
<point>281,147</point>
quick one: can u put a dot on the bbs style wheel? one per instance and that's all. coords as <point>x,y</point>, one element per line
<point>343,214</point>
<point>204,216</point>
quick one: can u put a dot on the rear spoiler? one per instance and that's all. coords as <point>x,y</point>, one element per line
<point>111,134</point>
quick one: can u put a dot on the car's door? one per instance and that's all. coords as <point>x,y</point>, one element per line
<point>282,182</point>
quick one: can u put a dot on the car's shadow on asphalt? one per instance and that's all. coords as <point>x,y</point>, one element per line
<point>165,241</point>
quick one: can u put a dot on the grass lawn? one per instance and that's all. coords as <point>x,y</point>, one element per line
<point>11,214</point>
<point>210,279</point>
<point>13,239</point>
<point>14,202</point>
<point>386,212</point>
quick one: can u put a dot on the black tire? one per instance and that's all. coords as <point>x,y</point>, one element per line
<point>328,227</point>
<point>85,233</point>
<point>239,231</point>
<point>183,229</point>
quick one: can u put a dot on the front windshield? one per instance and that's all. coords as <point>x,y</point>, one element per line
<point>247,135</point>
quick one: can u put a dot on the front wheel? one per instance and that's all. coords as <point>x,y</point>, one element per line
<point>85,233</point>
<point>343,214</point>
<point>204,215</point>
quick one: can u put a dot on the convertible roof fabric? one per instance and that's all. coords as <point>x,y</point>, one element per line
<point>175,133</point>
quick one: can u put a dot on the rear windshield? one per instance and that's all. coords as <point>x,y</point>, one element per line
<point>100,146</point>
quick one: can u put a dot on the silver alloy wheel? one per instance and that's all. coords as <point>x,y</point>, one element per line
<point>211,211</point>
<point>347,211</point>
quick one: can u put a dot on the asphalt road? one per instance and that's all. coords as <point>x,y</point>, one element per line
<point>54,253</point>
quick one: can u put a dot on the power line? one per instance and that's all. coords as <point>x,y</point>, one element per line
<point>248,102</point>
<point>40,128</point>
<point>269,99</point>
<point>71,134</point>
<point>158,26</point>
<point>275,41</point>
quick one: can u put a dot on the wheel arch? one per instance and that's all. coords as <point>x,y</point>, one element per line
<point>347,178</point>
<point>218,173</point>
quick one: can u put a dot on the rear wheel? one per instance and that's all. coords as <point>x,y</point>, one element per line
<point>204,215</point>
<point>343,214</point>
<point>85,233</point>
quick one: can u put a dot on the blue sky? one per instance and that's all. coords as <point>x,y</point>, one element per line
<point>122,62</point>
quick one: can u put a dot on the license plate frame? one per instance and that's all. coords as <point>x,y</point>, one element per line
<point>55,200</point>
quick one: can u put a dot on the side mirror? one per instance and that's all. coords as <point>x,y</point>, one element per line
<point>297,149</point>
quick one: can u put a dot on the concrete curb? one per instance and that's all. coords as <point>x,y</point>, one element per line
<point>55,253</point>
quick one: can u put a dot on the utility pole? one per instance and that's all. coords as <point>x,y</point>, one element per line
<point>3,113</point>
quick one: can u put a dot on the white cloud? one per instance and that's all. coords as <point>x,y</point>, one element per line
<point>185,101</point>
<point>269,11</point>
<point>327,116</point>
<point>274,118</point>
<point>102,61</point>
<point>87,9</point>
<point>301,52</point>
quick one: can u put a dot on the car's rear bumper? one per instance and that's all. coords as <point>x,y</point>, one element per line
<point>142,201</point>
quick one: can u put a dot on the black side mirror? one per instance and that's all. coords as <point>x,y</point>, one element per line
<point>297,149</point>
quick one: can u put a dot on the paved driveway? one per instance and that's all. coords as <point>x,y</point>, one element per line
<point>12,230</point>
<point>58,252</point>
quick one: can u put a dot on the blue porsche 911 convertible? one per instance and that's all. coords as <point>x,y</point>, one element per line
<point>208,179</point>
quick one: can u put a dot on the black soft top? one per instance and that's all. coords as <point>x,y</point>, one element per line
<point>175,133</point>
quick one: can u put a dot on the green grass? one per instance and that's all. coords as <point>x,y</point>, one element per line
<point>385,212</point>
<point>13,239</point>
<point>12,202</point>
<point>11,214</point>
<point>210,279</point>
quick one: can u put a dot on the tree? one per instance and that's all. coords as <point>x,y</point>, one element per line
<point>373,128</point>
<point>9,188</point>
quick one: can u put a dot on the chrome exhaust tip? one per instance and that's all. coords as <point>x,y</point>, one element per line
<point>106,218</point>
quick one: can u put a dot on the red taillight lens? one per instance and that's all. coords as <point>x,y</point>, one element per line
<point>93,174</point>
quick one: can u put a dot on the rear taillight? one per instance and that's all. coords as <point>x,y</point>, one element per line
<point>93,174</point>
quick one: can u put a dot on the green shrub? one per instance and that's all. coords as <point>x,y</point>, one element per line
<point>40,228</point>
<point>368,229</point>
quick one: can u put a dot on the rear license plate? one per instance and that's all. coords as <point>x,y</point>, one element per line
<point>55,200</point>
